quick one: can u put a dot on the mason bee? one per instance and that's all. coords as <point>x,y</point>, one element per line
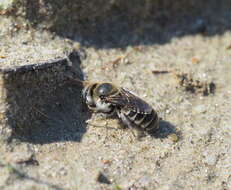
<point>109,99</point>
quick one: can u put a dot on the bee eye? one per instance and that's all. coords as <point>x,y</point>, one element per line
<point>104,89</point>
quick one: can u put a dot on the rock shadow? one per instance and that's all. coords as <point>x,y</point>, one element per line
<point>63,118</point>
<point>39,107</point>
<point>119,24</point>
<point>165,129</point>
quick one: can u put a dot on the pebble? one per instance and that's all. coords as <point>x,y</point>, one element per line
<point>209,159</point>
<point>63,171</point>
<point>4,175</point>
<point>145,181</point>
<point>227,126</point>
<point>200,109</point>
<point>167,111</point>
<point>173,137</point>
<point>102,178</point>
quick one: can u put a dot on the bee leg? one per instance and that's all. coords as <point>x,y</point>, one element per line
<point>101,115</point>
<point>94,109</point>
<point>97,113</point>
<point>130,125</point>
<point>99,122</point>
<point>140,134</point>
<point>96,124</point>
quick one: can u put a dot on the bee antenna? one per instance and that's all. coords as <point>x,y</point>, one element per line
<point>76,81</point>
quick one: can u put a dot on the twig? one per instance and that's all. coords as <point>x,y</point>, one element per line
<point>118,59</point>
<point>160,72</point>
<point>228,47</point>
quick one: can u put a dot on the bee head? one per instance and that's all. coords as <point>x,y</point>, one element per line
<point>105,89</point>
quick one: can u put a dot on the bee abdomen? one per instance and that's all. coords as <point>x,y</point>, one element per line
<point>151,122</point>
<point>147,122</point>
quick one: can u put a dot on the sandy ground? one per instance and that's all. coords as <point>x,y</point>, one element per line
<point>109,157</point>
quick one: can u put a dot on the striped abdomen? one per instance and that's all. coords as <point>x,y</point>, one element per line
<point>146,121</point>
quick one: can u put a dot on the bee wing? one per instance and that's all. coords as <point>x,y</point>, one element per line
<point>129,101</point>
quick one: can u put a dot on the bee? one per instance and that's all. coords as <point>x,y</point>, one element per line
<point>132,111</point>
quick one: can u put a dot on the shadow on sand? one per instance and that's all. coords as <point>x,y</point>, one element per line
<point>165,129</point>
<point>119,24</point>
